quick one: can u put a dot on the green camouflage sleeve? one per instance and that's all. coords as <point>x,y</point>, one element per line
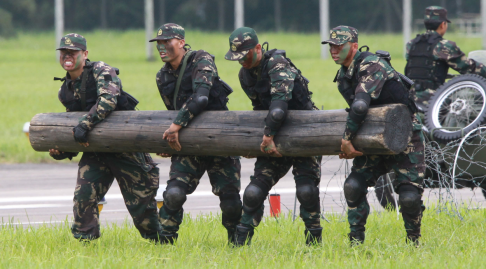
<point>203,75</point>
<point>407,49</point>
<point>373,73</point>
<point>449,52</point>
<point>282,77</point>
<point>108,86</point>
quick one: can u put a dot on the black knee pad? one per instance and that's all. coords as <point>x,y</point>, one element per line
<point>175,196</point>
<point>409,199</point>
<point>308,194</point>
<point>355,188</point>
<point>230,205</point>
<point>253,197</point>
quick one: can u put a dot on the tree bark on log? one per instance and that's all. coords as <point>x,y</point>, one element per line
<point>386,130</point>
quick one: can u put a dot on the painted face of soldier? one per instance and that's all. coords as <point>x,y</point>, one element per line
<point>251,58</point>
<point>72,60</point>
<point>169,49</point>
<point>340,53</point>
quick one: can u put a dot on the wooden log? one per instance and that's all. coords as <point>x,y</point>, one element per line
<point>386,130</point>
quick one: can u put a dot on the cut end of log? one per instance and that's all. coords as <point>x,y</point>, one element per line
<point>397,131</point>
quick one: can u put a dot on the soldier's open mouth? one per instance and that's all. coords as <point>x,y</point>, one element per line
<point>68,64</point>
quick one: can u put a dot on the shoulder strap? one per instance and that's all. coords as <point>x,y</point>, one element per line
<point>86,68</point>
<point>179,78</point>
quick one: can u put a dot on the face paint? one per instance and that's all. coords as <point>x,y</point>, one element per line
<point>343,53</point>
<point>249,61</point>
<point>78,60</point>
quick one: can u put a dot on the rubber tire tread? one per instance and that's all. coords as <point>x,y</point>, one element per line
<point>440,135</point>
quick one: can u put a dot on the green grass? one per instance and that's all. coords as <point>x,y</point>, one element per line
<point>447,242</point>
<point>28,65</point>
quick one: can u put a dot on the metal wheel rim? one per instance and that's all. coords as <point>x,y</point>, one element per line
<point>436,112</point>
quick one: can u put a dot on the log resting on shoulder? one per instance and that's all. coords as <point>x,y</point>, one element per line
<point>386,130</point>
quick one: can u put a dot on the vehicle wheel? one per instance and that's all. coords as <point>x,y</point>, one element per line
<point>459,104</point>
<point>384,194</point>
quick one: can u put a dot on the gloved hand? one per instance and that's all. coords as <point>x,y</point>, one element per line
<point>59,155</point>
<point>80,133</point>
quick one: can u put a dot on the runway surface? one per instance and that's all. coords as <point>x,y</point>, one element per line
<point>43,193</point>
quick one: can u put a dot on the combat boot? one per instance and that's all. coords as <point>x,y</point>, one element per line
<point>413,239</point>
<point>356,238</point>
<point>167,238</point>
<point>243,235</point>
<point>313,236</point>
<point>231,236</point>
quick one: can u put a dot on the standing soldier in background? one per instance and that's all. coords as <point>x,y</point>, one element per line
<point>429,57</point>
<point>189,82</point>
<point>364,80</point>
<point>273,83</point>
<point>95,88</point>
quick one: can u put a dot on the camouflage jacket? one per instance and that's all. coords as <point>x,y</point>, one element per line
<point>204,72</point>
<point>450,53</point>
<point>372,75</point>
<point>282,76</point>
<point>108,86</point>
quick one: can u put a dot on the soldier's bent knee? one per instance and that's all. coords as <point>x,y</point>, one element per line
<point>230,204</point>
<point>174,197</point>
<point>253,197</point>
<point>308,194</point>
<point>355,189</point>
<point>409,199</point>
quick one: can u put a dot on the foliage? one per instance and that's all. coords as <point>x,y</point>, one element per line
<point>447,242</point>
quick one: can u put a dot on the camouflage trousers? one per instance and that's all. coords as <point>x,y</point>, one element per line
<point>224,176</point>
<point>268,171</point>
<point>409,168</point>
<point>138,179</point>
<point>422,97</point>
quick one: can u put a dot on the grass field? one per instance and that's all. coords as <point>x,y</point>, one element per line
<point>447,242</point>
<point>28,65</point>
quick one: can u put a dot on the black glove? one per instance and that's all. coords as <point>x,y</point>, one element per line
<point>81,133</point>
<point>64,155</point>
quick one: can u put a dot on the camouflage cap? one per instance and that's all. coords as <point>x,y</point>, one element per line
<point>169,31</point>
<point>342,34</point>
<point>436,13</point>
<point>241,41</point>
<point>72,42</point>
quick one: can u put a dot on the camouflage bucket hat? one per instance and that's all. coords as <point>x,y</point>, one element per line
<point>342,34</point>
<point>169,31</point>
<point>436,13</point>
<point>72,42</point>
<point>241,41</point>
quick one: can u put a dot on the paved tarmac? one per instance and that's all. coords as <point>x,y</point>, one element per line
<point>42,193</point>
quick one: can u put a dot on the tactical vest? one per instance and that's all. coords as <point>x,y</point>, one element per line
<point>301,96</point>
<point>421,66</point>
<point>393,91</point>
<point>218,94</point>
<point>66,95</point>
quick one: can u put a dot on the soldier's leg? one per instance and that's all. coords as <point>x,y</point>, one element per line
<point>224,175</point>
<point>138,178</point>
<point>94,180</point>
<point>268,172</point>
<point>365,171</point>
<point>185,172</point>
<point>307,175</point>
<point>409,168</point>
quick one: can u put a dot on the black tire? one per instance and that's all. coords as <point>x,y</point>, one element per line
<point>460,103</point>
<point>384,194</point>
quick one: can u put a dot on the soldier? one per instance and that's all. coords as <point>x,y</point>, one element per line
<point>272,82</point>
<point>364,80</point>
<point>189,82</point>
<point>95,88</point>
<point>429,57</point>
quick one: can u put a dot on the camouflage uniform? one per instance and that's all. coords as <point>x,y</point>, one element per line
<point>445,52</point>
<point>276,79</point>
<point>200,75</point>
<point>136,173</point>
<point>374,77</point>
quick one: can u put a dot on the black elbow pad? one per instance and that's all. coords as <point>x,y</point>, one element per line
<point>276,114</point>
<point>198,101</point>
<point>359,107</point>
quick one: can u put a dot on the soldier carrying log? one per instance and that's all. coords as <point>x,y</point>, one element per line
<point>272,82</point>
<point>365,80</point>
<point>95,88</point>
<point>189,82</point>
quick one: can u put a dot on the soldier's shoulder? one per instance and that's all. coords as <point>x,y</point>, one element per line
<point>371,59</point>
<point>100,66</point>
<point>202,55</point>
<point>445,44</point>
<point>277,60</point>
